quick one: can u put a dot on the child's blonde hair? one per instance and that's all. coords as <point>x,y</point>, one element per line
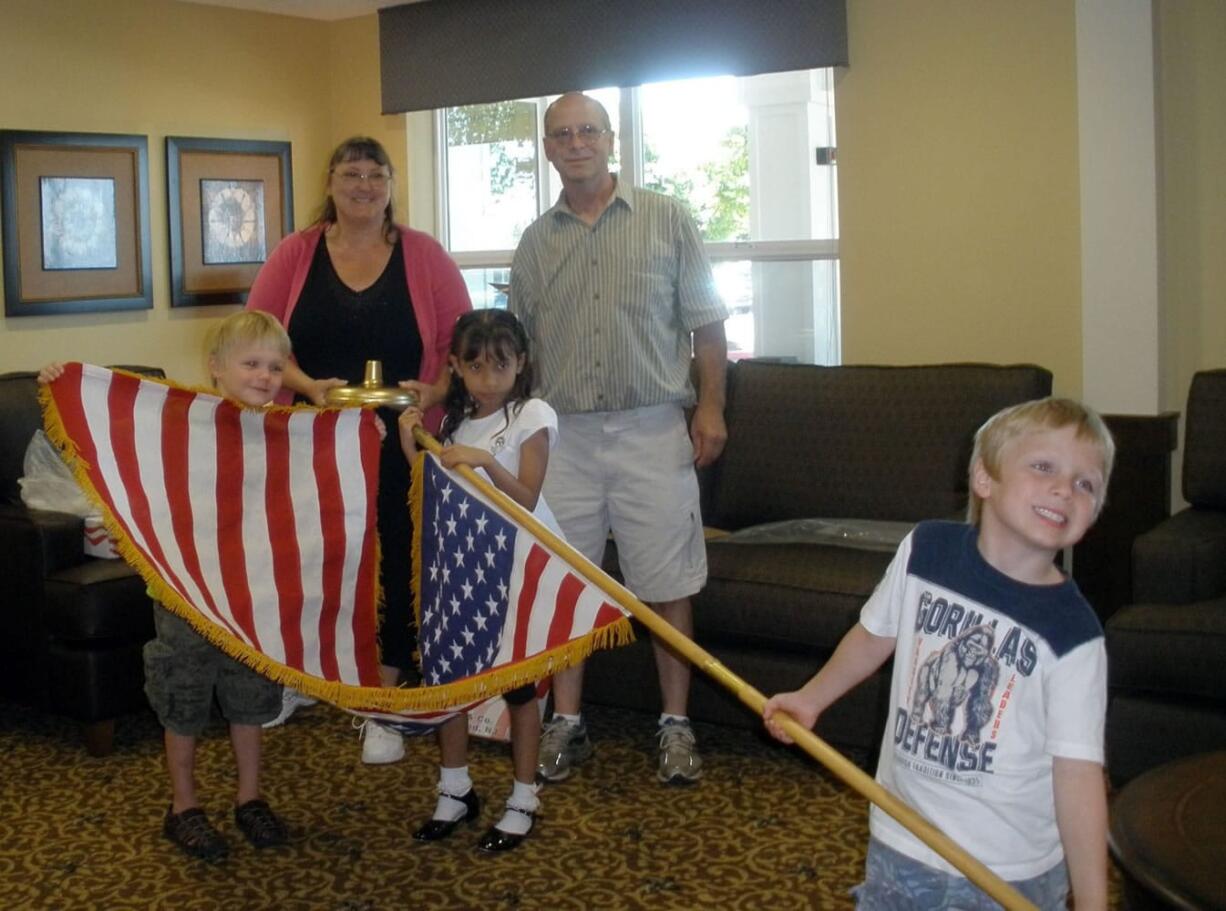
<point>247,327</point>
<point>1041,414</point>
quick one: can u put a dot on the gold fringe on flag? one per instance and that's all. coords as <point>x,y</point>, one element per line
<point>458,694</point>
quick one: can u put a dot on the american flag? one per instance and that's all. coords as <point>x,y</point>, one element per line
<point>258,527</point>
<point>497,606</point>
<point>255,525</point>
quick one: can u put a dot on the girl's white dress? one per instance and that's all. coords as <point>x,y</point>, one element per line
<point>495,435</point>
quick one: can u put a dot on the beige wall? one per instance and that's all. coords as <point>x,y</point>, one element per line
<point>958,189</point>
<point>356,97</point>
<point>1192,154</point>
<point>160,69</point>
<point>959,185</point>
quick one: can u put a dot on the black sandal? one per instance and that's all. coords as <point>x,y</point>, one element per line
<point>194,835</point>
<point>260,825</point>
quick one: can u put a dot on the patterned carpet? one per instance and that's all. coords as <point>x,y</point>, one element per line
<point>766,828</point>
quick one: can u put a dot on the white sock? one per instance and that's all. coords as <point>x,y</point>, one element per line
<point>523,797</point>
<point>452,781</point>
<point>572,720</point>
<point>681,719</point>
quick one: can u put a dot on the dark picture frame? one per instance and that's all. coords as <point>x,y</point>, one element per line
<point>75,215</point>
<point>229,203</point>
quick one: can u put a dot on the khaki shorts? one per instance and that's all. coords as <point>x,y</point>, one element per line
<point>631,473</point>
<point>182,672</point>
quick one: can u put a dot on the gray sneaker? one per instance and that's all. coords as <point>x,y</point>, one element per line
<point>563,746</point>
<point>679,761</point>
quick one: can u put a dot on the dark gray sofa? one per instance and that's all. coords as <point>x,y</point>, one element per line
<point>1167,651</point>
<point>73,626</point>
<point>883,444</point>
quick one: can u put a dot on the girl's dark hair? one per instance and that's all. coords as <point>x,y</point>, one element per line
<point>476,332</point>
<point>356,148</point>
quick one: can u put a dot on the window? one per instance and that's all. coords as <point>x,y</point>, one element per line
<point>491,168</point>
<point>752,157</point>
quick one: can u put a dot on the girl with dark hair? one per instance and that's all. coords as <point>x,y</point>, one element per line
<point>356,286</point>
<point>478,335</point>
<point>494,425</point>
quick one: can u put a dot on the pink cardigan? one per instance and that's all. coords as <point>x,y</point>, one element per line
<point>436,290</point>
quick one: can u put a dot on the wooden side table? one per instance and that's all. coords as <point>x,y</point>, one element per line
<point>1168,835</point>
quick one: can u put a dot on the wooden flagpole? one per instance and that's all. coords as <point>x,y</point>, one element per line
<point>831,758</point>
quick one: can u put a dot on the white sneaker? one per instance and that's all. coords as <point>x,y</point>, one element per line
<point>291,701</point>
<point>381,745</point>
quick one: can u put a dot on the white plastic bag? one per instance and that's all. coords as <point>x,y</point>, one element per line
<point>47,482</point>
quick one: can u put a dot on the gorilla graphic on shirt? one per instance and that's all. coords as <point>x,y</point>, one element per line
<point>963,673</point>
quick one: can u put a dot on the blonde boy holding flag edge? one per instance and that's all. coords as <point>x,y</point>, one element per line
<point>999,683</point>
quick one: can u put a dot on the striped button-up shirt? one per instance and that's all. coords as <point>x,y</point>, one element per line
<point>610,308</point>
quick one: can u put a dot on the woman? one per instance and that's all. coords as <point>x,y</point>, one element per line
<point>357,286</point>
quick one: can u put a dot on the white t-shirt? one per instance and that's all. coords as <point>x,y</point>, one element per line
<point>495,435</point>
<point>992,679</point>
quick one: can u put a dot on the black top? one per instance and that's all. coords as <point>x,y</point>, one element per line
<point>336,330</point>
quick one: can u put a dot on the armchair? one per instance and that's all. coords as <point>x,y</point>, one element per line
<point>73,625</point>
<point>1167,651</point>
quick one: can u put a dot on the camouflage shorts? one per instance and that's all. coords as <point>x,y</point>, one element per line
<point>183,671</point>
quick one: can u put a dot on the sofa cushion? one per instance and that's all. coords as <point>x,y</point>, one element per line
<point>1181,560</point>
<point>792,597</point>
<point>1204,458</point>
<point>1169,649</point>
<point>856,442</point>
<point>1145,731</point>
<point>862,534</point>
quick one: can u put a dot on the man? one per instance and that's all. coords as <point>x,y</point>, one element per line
<point>617,295</point>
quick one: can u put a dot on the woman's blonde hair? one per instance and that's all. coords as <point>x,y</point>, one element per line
<point>247,327</point>
<point>1041,414</point>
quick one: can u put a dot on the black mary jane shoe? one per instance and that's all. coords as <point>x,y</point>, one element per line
<point>496,841</point>
<point>438,829</point>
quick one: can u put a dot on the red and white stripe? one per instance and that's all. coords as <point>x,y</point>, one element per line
<point>263,521</point>
<point>541,579</point>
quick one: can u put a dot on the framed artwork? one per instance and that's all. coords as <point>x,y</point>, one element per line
<point>75,214</point>
<point>229,202</point>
